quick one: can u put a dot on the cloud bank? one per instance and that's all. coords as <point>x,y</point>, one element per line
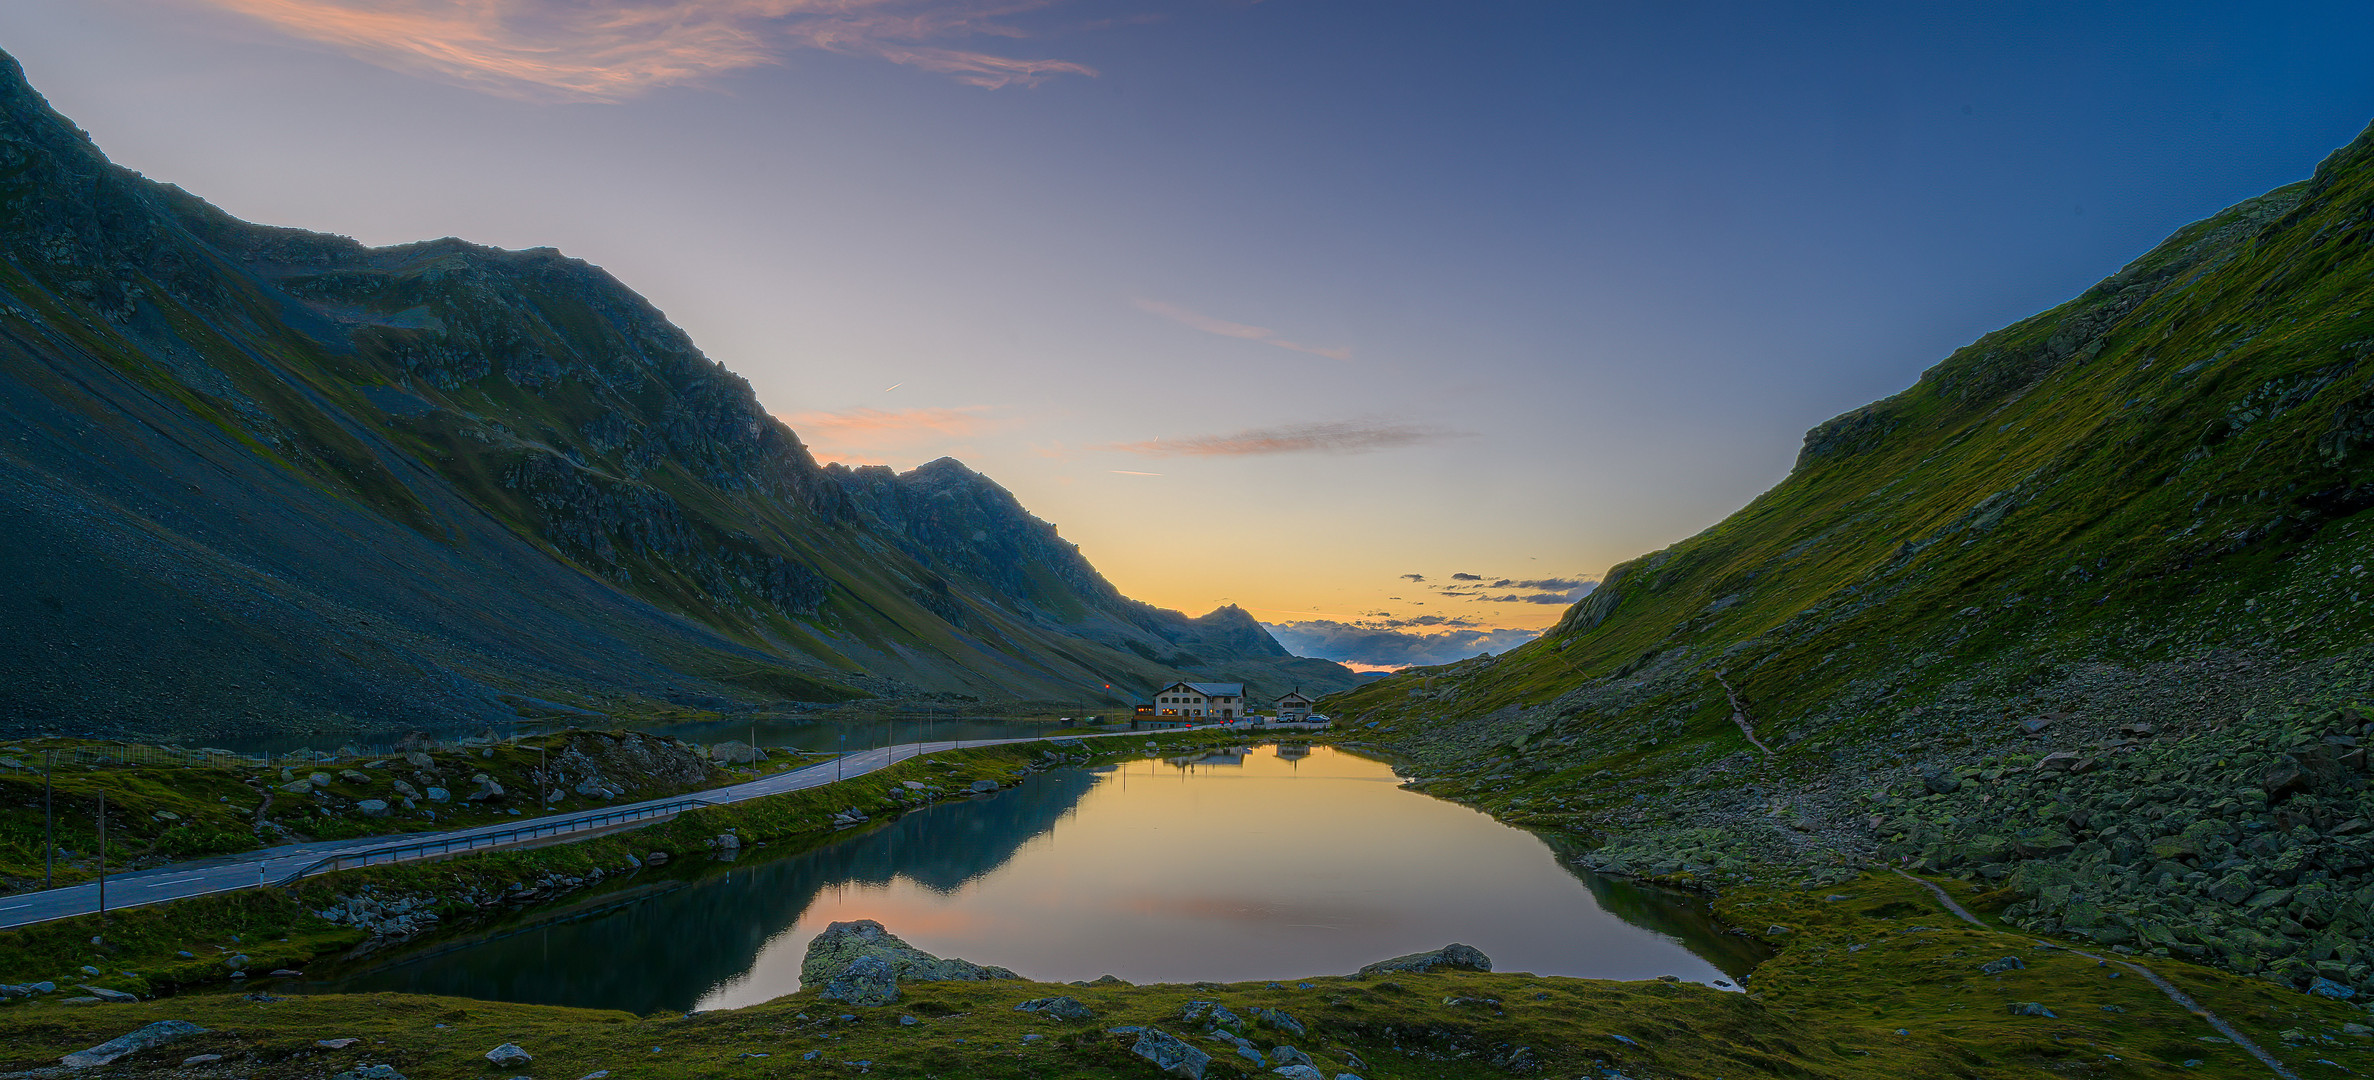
<point>1224,328</point>
<point>1324,437</point>
<point>610,50</point>
<point>1373,647</point>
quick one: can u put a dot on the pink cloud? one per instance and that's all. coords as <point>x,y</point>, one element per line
<point>609,50</point>
<point>1329,436</point>
<point>864,436</point>
<point>1224,328</point>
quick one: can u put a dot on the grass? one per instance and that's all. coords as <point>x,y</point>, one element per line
<point>162,813</point>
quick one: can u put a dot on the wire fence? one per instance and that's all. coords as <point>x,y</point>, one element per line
<point>527,830</point>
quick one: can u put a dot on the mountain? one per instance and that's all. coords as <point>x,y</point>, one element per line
<point>2082,615</point>
<point>259,479</point>
<point>2171,467</point>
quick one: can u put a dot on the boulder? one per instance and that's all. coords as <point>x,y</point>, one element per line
<point>1061,1008</point>
<point>2324,987</point>
<point>1452,957</point>
<point>1941,783</point>
<point>438,794</point>
<point>736,753</point>
<point>488,789</point>
<point>1168,1053</point>
<point>983,787</point>
<point>297,787</point>
<point>509,1056</point>
<point>1283,1056</point>
<point>156,1034</point>
<point>405,789</point>
<point>2030,1008</point>
<point>1279,1019</point>
<point>371,808</point>
<point>2057,761</point>
<point>112,997</point>
<point>843,942</point>
<point>416,759</point>
<point>868,980</point>
<point>319,779</point>
<point>1212,1015</point>
<point>1300,1071</point>
<point>353,777</point>
<point>1998,967</point>
<point>370,1072</point>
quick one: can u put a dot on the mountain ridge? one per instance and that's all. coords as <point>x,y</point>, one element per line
<point>263,479</point>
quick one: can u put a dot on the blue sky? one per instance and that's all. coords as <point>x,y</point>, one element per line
<point>1366,290</point>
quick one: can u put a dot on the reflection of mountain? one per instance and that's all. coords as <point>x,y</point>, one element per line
<point>1676,915</point>
<point>664,952</point>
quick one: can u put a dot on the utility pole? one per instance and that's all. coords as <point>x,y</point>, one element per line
<point>102,859</point>
<point>841,734</point>
<point>49,824</point>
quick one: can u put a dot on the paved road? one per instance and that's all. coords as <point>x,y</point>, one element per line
<point>250,869</point>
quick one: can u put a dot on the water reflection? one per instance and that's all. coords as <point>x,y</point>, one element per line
<point>1245,864</point>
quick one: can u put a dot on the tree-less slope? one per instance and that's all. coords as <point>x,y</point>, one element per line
<point>2174,462</point>
<point>2082,615</point>
<point>264,479</point>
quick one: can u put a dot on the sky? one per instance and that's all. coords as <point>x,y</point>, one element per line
<point>1395,323</point>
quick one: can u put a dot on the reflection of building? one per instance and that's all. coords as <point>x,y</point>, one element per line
<point>1225,700</point>
<point>1226,755</point>
<point>1294,708</point>
<point>1293,751</point>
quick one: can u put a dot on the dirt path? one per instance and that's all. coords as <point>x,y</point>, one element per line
<point>1739,715</point>
<point>2182,999</point>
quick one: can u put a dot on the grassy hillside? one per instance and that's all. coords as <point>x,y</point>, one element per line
<point>2129,531</point>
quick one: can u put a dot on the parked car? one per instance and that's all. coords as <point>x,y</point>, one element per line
<point>1315,718</point>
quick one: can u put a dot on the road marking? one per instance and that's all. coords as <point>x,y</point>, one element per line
<point>13,907</point>
<point>162,884</point>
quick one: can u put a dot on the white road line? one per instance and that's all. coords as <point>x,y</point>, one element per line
<point>162,884</point>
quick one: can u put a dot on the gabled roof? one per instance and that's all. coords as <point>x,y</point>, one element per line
<point>1208,689</point>
<point>1293,695</point>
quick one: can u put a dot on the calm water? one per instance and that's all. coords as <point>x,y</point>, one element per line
<point>1255,866</point>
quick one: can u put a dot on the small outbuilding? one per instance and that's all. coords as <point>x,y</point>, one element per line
<point>1294,708</point>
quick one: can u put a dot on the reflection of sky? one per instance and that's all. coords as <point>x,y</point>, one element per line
<point>1275,868</point>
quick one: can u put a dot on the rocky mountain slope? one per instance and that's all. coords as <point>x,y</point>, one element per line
<point>2074,615</point>
<point>265,479</point>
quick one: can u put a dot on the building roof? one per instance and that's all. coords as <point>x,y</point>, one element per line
<point>1293,695</point>
<point>1210,689</point>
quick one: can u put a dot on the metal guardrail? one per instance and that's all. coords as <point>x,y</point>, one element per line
<point>526,830</point>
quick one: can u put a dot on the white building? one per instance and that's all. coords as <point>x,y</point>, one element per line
<point>1294,708</point>
<point>1216,700</point>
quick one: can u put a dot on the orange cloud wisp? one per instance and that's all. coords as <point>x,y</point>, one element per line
<point>608,50</point>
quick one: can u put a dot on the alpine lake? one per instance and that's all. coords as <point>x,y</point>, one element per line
<point>1258,862</point>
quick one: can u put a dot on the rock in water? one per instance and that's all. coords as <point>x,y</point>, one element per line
<point>1453,957</point>
<point>842,943</point>
<point>868,980</point>
<point>1061,1008</point>
<point>156,1034</point>
<point>509,1055</point>
<point>1171,1055</point>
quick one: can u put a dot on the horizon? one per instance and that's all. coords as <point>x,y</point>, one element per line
<point>1387,281</point>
